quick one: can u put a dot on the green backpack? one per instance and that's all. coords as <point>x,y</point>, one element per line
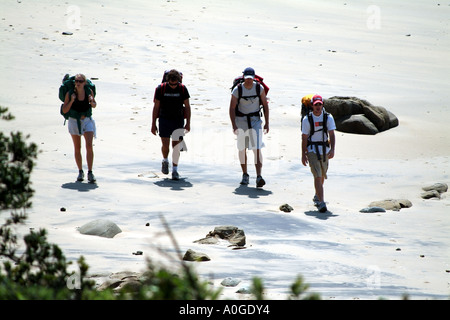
<point>67,86</point>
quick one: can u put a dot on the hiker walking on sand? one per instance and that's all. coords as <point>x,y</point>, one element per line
<point>246,121</point>
<point>171,107</point>
<point>318,141</point>
<point>80,103</point>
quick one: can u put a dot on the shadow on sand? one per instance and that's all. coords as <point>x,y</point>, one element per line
<point>80,186</point>
<point>320,215</point>
<point>176,185</point>
<point>244,190</point>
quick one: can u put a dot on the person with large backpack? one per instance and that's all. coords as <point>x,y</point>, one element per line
<point>171,108</point>
<point>245,115</point>
<point>318,142</point>
<point>79,99</point>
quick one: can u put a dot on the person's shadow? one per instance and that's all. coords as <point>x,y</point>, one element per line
<point>176,185</point>
<point>80,186</point>
<point>244,190</point>
<point>320,215</point>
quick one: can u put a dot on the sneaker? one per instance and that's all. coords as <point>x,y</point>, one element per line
<point>322,207</point>
<point>245,178</point>
<point>91,177</point>
<point>175,175</point>
<point>316,201</point>
<point>80,175</point>
<point>165,167</point>
<point>260,182</point>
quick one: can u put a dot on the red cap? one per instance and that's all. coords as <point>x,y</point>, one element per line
<point>316,99</point>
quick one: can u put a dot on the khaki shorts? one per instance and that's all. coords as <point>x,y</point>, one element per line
<point>318,168</point>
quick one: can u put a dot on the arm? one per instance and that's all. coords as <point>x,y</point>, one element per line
<point>332,144</point>
<point>92,101</point>
<point>187,115</point>
<point>155,116</point>
<point>304,149</point>
<point>265,109</point>
<point>68,101</point>
<point>233,105</point>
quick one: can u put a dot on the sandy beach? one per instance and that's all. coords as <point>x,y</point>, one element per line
<point>391,53</point>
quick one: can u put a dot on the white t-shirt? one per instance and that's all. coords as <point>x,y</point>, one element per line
<point>250,104</point>
<point>318,133</point>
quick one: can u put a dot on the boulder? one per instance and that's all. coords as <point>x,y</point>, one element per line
<point>392,204</point>
<point>100,227</point>
<point>357,123</point>
<point>191,255</point>
<point>354,115</point>
<point>233,234</point>
<point>439,187</point>
<point>430,194</point>
<point>372,209</point>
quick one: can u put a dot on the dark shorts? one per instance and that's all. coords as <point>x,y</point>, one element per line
<point>168,126</point>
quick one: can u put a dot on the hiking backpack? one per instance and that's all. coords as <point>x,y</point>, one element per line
<point>325,142</point>
<point>164,83</point>
<point>166,72</point>
<point>68,86</point>
<point>238,81</point>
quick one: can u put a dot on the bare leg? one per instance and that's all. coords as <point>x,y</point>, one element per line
<point>243,160</point>
<point>89,137</point>
<point>258,161</point>
<point>165,147</point>
<point>77,150</point>
<point>318,185</point>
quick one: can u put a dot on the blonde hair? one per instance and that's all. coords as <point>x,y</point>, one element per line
<point>81,75</point>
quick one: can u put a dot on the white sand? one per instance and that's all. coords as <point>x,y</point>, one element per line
<point>392,54</point>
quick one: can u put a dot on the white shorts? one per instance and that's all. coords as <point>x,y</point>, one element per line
<point>249,138</point>
<point>87,125</point>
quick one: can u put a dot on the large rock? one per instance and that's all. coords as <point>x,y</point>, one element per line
<point>357,123</point>
<point>354,115</point>
<point>101,228</point>
<point>233,234</point>
<point>192,255</point>
<point>392,204</point>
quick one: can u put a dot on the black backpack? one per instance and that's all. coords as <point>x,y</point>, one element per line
<point>324,143</point>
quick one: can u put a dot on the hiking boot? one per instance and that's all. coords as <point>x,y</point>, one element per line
<point>165,167</point>
<point>316,201</point>
<point>260,182</point>
<point>91,177</point>
<point>175,175</point>
<point>322,207</point>
<point>80,175</point>
<point>245,179</point>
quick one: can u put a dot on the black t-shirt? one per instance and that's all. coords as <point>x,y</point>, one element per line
<point>171,100</point>
<point>81,106</point>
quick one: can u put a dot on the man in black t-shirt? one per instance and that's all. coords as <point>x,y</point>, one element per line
<point>171,107</point>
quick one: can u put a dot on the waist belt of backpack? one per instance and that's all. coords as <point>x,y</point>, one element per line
<point>316,145</point>
<point>78,118</point>
<point>248,115</point>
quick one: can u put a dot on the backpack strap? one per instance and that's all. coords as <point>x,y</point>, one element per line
<point>324,143</point>
<point>248,115</point>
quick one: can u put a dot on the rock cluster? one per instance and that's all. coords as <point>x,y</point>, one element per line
<point>354,115</point>
<point>434,191</point>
